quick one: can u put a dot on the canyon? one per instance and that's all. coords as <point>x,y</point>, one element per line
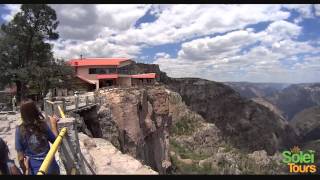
<point>191,126</point>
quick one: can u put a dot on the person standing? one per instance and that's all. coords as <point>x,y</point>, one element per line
<point>33,136</point>
<point>14,103</point>
<point>7,166</point>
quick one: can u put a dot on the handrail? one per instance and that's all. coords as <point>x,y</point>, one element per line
<point>61,112</point>
<point>76,154</point>
<point>48,159</point>
<point>51,102</point>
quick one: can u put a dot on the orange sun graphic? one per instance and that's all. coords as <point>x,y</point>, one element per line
<point>295,150</point>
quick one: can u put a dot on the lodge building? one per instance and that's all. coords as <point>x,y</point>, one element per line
<point>96,73</point>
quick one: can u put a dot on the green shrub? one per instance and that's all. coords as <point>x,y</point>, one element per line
<point>185,126</point>
<point>186,153</point>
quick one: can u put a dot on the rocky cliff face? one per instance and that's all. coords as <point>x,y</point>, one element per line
<point>104,158</point>
<point>296,98</point>
<point>199,147</point>
<point>154,125</point>
<point>307,124</point>
<point>137,122</point>
<point>256,90</point>
<point>289,99</point>
<point>140,68</point>
<point>270,106</point>
<point>249,126</point>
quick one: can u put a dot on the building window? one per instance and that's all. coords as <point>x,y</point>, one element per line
<point>92,70</point>
<point>124,70</point>
<point>102,70</point>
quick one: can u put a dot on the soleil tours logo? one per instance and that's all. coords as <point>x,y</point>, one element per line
<point>300,161</point>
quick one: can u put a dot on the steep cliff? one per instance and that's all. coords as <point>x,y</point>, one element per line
<point>196,126</point>
<point>137,122</point>
<point>256,90</point>
<point>296,98</point>
<point>199,147</point>
<point>154,125</point>
<point>307,124</point>
<point>103,157</point>
<point>249,126</point>
<point>270,106</point>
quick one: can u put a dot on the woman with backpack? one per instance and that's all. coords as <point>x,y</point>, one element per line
<point>33,136</point>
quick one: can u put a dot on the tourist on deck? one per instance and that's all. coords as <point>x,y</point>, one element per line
<point>14,103</point>
<point>33,136</point>
<point>7,166</point>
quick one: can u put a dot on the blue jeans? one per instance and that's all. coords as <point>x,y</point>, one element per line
<point>35,166</point>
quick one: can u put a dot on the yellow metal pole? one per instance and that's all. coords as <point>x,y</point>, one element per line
<point>48,159</point>
<point>50,102</point>
<point>61,112</point>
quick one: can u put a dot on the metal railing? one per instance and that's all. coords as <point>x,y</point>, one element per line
<point>48,159</point>
<point>67,142</point>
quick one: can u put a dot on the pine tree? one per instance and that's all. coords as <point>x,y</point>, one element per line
<point>26,55</point>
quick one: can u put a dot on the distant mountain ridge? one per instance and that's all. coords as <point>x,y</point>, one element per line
<point>297,97</point>
<point>254,90</point>
<point>290,99</point>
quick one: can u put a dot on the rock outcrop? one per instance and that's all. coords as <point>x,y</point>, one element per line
<point>270,106</point>
<point>307,124</point>
<point>137,122</point>
<point>289,99</point>
<point>296,98</point>
<point>250,126</point>
<point>256,90</point>
<point>104,158</point>
<point>199,147</point>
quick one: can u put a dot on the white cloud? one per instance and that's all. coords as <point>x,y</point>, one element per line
<point>180,22</point>
<point>317,9</point>
<point>87,22</point>
<point>96,48</point>
<point>305,10</point>
<point>222,59</point>
<point>283,29</point>
<point>162,55</point>
<point>122,16</point>
<point>217,47</point>
<point>238,53</point>
<point>174,22</point>
<point>13,9</point>
<point>91,26</point>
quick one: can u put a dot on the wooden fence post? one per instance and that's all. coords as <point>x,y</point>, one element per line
<point>70,149</point>
<point>64,105</point>
<point>45,107</point>
<point>87,100</point>
<point>76,101</point>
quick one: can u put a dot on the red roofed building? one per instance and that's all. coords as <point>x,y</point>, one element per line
<point>101,72</point>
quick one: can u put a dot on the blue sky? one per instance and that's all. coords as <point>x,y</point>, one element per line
<point>257,43</point>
